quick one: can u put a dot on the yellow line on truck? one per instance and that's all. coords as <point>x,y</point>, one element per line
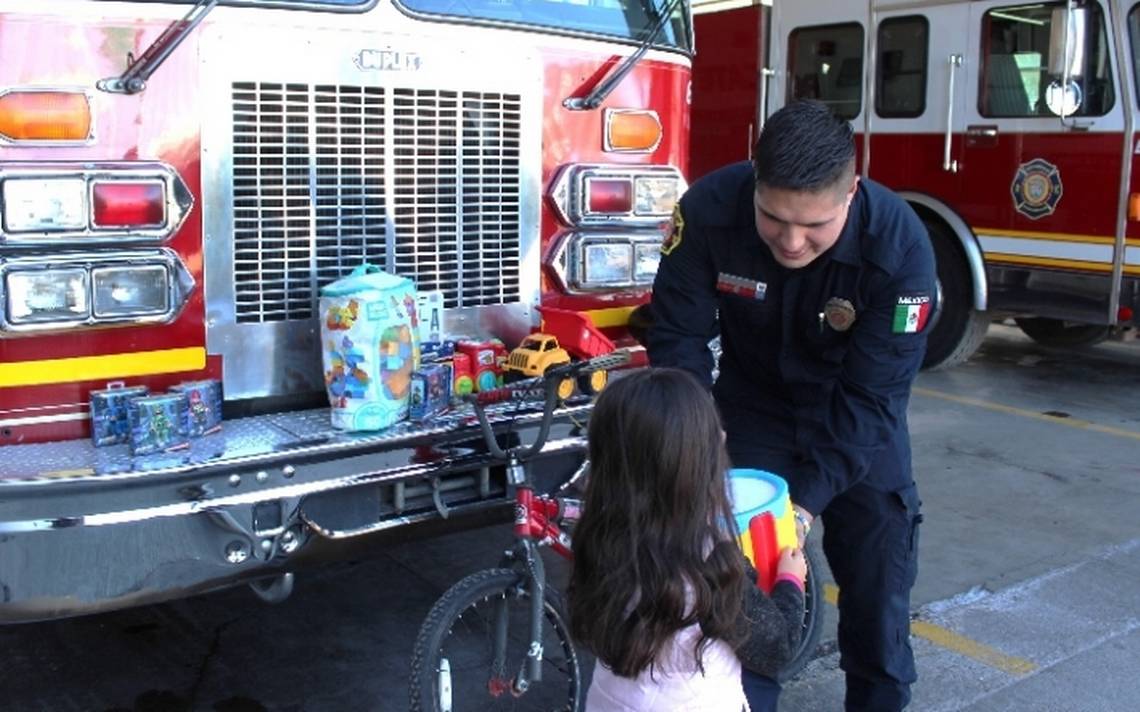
<point>999,408</point>
<point>960,644</point>
<point>99,368</point>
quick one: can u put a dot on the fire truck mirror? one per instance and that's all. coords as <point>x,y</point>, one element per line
<point>1067,41</point>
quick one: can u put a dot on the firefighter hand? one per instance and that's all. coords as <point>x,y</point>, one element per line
<point>793,562</point>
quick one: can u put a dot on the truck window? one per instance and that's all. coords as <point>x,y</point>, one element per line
<point>1016,78</point>
<point>900,74</point>
<point>632,19</point>
<point>826,63</point>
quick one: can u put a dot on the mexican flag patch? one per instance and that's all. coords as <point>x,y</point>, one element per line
<point>911,314</point>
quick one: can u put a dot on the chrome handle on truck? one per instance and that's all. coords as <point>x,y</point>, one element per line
<point>949,165</point>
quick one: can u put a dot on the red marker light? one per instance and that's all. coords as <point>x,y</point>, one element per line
<point>609,196</point>
<point>128,204</point>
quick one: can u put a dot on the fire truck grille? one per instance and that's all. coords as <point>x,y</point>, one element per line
<point>423,183</point>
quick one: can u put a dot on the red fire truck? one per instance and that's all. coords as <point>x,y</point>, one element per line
<point>1010,127</point>
<point>178,180</point>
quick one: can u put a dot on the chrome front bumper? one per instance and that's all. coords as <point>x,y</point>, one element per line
<point>86,529</point>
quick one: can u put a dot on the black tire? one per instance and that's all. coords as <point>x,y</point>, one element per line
<point>960,328</point>
<point>813,616</point>
<point>588,381</point>
<point>1063,334</point>
<point>457,629</point>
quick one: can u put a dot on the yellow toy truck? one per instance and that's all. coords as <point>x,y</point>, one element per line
<point>566,335</point>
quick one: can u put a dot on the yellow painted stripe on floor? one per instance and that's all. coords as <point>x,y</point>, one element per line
<point>616,316</point>
<point>1076,423</point>
<point>948,639</point>
<point>98,368</point>
<point>960,644</point>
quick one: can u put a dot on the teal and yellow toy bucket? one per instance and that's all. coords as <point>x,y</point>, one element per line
<point>764,518</point>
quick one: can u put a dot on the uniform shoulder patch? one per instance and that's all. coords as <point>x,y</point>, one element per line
<point>912,311</point>
<point>674,231</point>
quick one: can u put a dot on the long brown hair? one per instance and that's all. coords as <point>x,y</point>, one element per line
<point>656,503</point>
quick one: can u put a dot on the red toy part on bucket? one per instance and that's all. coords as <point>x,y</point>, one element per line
<point>575,332</point>
<point>765,549</point>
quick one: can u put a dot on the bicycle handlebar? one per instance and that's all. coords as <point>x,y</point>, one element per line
<point>544,387</point>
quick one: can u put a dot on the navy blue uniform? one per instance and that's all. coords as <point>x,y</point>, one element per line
<point>815,375</point>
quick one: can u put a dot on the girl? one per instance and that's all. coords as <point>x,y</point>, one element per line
<point>660,592</point>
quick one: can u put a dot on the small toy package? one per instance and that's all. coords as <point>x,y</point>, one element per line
<point>431,391</point>
<point>204,406</point>
<point>431,316</point>
<point>158,423</point>
<point>370,347</point>
<point>110,420</point>
<point>432,351</point>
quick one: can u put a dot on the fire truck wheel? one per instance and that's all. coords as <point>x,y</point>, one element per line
<point>1065,334</point>
<point>960,329</point>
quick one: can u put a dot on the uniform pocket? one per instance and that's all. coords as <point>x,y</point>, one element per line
<point>745,313</point>
<point>911,506</point>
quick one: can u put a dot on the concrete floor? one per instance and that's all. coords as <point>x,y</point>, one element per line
<point>1028,462</point>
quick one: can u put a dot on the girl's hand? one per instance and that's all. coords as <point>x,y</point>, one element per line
<point>792,561</point>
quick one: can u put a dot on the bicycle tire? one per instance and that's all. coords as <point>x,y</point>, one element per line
<point>431,648</point>
<point>813,616</point>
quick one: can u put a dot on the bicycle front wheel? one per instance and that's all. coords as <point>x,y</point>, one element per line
<point>458,664</point>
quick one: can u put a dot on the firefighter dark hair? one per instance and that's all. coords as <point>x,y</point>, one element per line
<point>655,550</point>
<point>804,147</point>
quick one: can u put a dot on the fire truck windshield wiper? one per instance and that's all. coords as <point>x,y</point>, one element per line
<point>138,71</point>
<point>603,88</point>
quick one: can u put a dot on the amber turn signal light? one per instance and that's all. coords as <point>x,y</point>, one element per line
<point>632,130</point>
<point>1134,207</point>
<point>37,115</point>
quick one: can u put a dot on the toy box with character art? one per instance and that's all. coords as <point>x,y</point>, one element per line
<point>110,417</point>
<point>203,406</point>
<point>158,423</point>
<point>431,391</point>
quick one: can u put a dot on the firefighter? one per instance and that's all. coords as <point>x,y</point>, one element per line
<point>822,288</point>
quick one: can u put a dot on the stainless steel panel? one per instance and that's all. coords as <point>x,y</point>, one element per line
<point>313,164</point>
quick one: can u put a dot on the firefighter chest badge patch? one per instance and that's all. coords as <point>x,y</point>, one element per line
<point>911,314</point>
<point>1036,188</point>
<point>741,286</point>
<point>839,313</point>
<point>675,228</point>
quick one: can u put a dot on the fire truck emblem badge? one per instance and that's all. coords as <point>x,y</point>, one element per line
<point>387,60</point>
<point>741,286</point>
<point>674,228</point>
<point>1036,188</point>
<point>840,313</point>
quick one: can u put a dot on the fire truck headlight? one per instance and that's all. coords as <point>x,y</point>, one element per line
<point>592,195</point>
<point>76,290</point>
<point>655,197</point>
<point>646,261</point>
<point>130,291</point>
<point>588,261</point>
<point>607,263</point>
<point>80,205</point>
<point>40,296</point>
<point>45,205</point>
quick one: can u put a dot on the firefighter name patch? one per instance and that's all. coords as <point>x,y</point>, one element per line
<point>1036,188</point>
<point>911,314</point>
<point>675,228</point>
<point>741,286</point>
